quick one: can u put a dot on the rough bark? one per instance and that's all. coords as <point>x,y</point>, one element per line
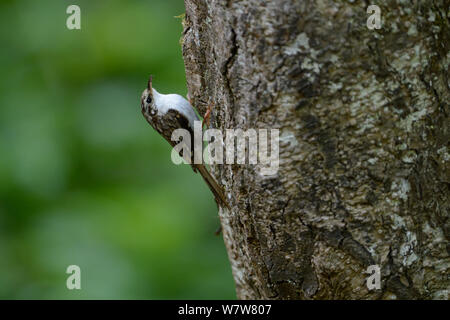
<point>363,115</point>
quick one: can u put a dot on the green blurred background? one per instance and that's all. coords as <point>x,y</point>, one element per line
<point>84,179</point>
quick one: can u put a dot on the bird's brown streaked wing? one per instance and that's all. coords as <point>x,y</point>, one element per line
<point>171,121</point>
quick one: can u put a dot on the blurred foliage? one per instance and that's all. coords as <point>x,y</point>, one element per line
<point>84,179</point>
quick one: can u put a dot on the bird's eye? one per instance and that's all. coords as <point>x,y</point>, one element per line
<point>149,99</point>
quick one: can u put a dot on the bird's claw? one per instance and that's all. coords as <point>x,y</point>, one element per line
<point>207,116</point>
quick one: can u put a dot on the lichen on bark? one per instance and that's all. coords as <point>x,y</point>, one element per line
<point>363,114</point>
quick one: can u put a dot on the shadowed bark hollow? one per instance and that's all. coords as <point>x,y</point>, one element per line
<point>363,115</point>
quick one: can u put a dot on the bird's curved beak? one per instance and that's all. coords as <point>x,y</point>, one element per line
<point>149,84</point>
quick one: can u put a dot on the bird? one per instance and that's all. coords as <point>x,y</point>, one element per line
<point>168,112</point>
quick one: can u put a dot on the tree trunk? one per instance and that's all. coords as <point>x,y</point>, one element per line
<point>364,170</point>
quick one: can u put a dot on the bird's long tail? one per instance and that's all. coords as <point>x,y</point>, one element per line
<point>218,192</point>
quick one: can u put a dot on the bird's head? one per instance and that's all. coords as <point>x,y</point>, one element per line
<point>148,106</point>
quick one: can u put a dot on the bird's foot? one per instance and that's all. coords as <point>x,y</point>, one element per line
<point>207,116</point>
